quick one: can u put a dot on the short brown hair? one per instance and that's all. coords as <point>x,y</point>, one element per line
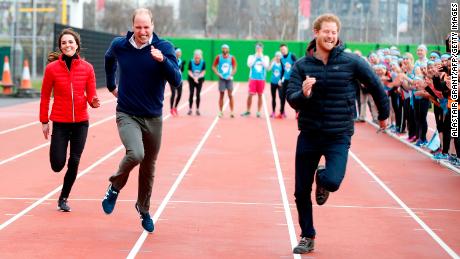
<point>327,17</point>
<point>143,11</point>
<point>75,35</point>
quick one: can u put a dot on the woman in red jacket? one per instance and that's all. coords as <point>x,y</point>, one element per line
<point>73,83</point>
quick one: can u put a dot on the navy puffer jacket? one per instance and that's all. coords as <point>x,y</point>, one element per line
<point>331,107</point>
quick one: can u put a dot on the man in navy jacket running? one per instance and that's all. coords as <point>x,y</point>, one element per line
<point>144,63</point>
<point>322,89</point>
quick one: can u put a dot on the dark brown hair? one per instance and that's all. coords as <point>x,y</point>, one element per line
<point>75,35</point>
<point>53,56</point>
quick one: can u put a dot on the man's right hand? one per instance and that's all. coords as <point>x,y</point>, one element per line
<point>307,85</point>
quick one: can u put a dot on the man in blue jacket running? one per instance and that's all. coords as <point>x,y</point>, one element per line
<point>145,63</point>
<point>322,89</point>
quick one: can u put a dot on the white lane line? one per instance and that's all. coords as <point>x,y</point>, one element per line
<point>88,169</point>
<point>47,196</point>
<point>140,241</point>
<point>442,162</point>
<point>4,161</point>
<point>37,122</point>
<point>407,209</point>
<point>275,205</point>
<point>48,143</point>
<point>19,127</point>
<point>24,153</point>
<point>287,209</point>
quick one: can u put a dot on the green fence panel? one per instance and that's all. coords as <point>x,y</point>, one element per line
<point>365,49</point>
<point>240,49</point>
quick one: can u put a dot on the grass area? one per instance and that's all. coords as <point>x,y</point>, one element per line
<point>37,84</point>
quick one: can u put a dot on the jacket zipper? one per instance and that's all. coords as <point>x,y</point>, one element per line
<point>73,104</point>
<point>71,93</point>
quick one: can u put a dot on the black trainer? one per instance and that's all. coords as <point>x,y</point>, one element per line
<point>306,245</point>
<point>321,194</point>
<point>62,205</point>
<point>108,203</point>
<point>147,222</point>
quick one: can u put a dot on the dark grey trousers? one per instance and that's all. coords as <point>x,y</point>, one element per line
<point>142,139</point>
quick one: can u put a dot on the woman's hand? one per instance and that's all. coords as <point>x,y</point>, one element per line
<point>46,130</point>
<point>95,102</point>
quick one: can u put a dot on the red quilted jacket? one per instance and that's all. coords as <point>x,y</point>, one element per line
<point>72,91</point>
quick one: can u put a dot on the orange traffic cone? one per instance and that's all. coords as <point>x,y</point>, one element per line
<point>25,81</point>
<point>6,82</point>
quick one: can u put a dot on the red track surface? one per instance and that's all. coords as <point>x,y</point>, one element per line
<point>225,198</point>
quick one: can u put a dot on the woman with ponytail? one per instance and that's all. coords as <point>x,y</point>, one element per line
<point>73,83</point>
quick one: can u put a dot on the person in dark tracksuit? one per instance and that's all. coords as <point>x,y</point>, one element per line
<point>146,62</point>
<point>322,89</point>
<point>73,84</point>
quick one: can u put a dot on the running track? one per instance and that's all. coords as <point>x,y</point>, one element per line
<point>223,189</point>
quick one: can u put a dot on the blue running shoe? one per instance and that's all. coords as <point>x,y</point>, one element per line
<point>245,114</point>
<point>147,222</point>
<point>108,203</point>
<point>456,163</point>
<point>441,156</point>
<point>419,143</point>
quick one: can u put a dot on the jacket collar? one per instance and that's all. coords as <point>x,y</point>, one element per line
<point>155,38</point>
<point>75,60</point>
<point>77,57</point>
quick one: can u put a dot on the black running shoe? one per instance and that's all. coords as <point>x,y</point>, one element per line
<point>306,245</point>
<point>147,222</point>
<point>321,194</point>
<point>62,205</point>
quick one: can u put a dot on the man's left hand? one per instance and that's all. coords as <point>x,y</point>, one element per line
<point>156,54</point>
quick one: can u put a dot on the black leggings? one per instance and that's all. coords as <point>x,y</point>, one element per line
<point>282,94</point>
<point>446,136</point>
<point>421,107</point>
<point>439,118</point>
<point>174,100</point>
<point>397,105</point>
<point>409,114</point>
<point>194,86</point>
<point>273,88</point>
<point>63,133</point>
